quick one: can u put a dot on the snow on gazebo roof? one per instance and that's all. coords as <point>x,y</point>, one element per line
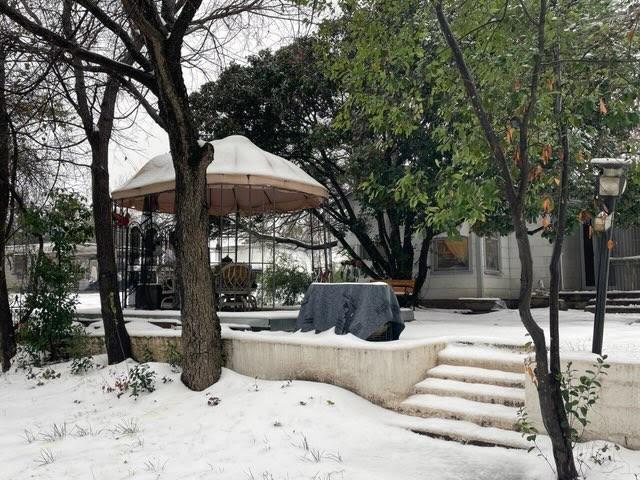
<point>242,177</point>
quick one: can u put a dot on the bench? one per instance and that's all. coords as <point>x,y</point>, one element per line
<point>403,288</point>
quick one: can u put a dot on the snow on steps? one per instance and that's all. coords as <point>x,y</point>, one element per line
<point>482,357</point>
<point>463,432</point>
<point>479,392</point>
<point>455,408</point>
<point>478,375</point>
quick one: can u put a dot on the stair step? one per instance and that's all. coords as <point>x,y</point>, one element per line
<point>455,408</point>
<point>463,432</point>
<point>478,375</point>
<point>615,309</point>
<point>479,392</point>
<point>482,357</point>
<point>618,301</point>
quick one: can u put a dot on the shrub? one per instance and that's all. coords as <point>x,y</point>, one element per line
<point>81,365</point>
<point>291,281</point>
<point>48,331</point>
<point>139,379</point>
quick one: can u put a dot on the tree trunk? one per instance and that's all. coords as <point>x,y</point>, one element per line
<point>201,337</point>
<point>7,333</point>
<point>116,338</point>
<point>562,447</point>
<point>423,267</point>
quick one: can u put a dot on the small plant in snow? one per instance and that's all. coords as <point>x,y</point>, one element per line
<point>155,465</point>
<point>41,375</point>
<point>88,431</point>
<point>277,423</point>
<point>580,394</point>
<point>58,432</point>
<point>166,379</point>
<point>174,358</point>
<point>29,436</point>
<point>81,365</point>
<point>46,457</point>
<point>286,384</point>
<point>255,387</point>
<point>126,427</point>
<point>139,379</point>
<point>213,401</point>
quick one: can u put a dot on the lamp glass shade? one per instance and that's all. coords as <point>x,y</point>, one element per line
<point>609,186</point>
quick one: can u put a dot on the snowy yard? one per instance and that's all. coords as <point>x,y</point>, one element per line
<point>73,427</point>
<point>69,428</point>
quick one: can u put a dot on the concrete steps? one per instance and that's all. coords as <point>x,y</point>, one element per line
<point>456,408</point>
<point>478,392</point>
<point>478,375</point>
<point>482,357</point>
<point>618,302</point>
<point>472,396</point>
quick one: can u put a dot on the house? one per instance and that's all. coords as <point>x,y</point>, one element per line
<point>18,258</point>
<point>471,266</point>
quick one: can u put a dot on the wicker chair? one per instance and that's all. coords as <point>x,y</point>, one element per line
<point>235,287</point>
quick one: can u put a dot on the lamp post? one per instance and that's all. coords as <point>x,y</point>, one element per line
<point>611,184</point>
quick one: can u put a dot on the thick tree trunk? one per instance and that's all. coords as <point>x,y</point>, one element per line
<point>7,333</point>
<point>115,333</point>
<point>201,338</point>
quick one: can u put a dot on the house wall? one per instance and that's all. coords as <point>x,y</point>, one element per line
<point>479,283</point>
<point>572,262</point>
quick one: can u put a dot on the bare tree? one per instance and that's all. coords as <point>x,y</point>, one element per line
<point>163,27</point>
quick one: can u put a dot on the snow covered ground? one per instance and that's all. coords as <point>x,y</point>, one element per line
<point>259,430</point>
<point>69,427</point>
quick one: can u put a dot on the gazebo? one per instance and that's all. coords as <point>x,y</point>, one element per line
<point>243,181</point>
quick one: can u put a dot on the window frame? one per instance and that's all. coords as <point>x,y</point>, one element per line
<point>445,271</point>
<point>488,270</point>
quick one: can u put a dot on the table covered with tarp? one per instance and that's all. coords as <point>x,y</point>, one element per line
<point>361,309</point>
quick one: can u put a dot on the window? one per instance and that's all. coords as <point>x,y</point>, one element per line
<point>451,254</point>
<point>492,254</point>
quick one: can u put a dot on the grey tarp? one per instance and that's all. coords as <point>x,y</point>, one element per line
<point>357,308</point>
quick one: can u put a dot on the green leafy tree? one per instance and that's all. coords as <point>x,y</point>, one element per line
<point>531,91</point>
<point>288,103</point>
<point>49,331</point>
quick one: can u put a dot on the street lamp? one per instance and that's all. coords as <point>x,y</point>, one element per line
<point>611,184</point>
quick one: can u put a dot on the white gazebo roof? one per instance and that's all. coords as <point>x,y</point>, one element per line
<point>242,177</point>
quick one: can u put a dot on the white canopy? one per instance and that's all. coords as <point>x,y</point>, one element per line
<point>242,177</point>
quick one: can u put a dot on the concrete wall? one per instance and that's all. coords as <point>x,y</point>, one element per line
<point>383,373</point>
<point>616,415</point>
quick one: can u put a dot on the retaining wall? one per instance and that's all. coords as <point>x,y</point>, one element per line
<point>616,415</point>
<point>383,373</point>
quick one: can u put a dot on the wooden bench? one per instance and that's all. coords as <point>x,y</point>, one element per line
<point>404,288</point>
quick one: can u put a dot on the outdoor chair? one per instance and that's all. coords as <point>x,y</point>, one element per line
<point>235,287</point>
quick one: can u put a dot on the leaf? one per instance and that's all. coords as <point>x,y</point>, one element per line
<point>602,108</point>
<point>516,156</point>
<point>610,244</point>
<point>549,83</point>
<point>509,133</point>
<point>547,204</point>
<point>545,155</point>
